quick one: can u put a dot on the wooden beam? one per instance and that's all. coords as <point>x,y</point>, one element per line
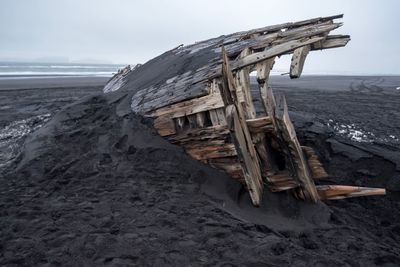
<point>298,59</point>
<point>240,134</point>
<point>259,122</point>
<point>328,192</point>
<point>189,107</point>
<point>263,70</point>
<point>272,52</point>
<point>242,82</point>
<point>293,151</point>
<point>331,41</point>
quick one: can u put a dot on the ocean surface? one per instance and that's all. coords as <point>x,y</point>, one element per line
<point>18,70</point>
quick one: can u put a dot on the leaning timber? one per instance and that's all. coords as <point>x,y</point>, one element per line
<point>202,101</point>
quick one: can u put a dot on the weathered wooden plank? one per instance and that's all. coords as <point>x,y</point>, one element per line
<point>165,126</point>
<point>261,122</point>
<point>189,107</point>
<point>315,166</point>
<point>273,51</point>
<point>296,156</point>
<point>291,25</point>
<point>205,150</point>
<point>344,191</point>
<point>201,134</point>
<point>298,59</point>
<point>240,135</point>
<point>242,82</point>
<point>263,70</point>
<point>247,155</point>
<point>217,116</point>
<point>331,41</point>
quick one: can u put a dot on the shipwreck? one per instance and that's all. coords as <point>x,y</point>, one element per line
<point>200,99</point>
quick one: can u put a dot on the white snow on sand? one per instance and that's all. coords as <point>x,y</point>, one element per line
<point>356,133</point>
<point>11,134</point>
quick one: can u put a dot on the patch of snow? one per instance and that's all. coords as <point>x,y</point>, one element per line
<point>356,133</point>
<point>11,134</point>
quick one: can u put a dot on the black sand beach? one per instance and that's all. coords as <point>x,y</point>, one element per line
<point>88,183</point>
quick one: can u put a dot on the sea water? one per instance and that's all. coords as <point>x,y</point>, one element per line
<point>18,70</point>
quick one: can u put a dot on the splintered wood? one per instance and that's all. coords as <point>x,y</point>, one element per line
<point>210,111</point>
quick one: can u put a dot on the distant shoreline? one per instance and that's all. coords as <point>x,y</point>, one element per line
<point>46,82</point>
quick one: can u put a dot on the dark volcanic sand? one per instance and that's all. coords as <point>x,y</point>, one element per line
<point>95,186</point>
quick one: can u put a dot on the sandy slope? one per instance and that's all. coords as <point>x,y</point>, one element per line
<point>95,186</point>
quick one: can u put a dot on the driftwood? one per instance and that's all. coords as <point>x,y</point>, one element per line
<point>207,107</point>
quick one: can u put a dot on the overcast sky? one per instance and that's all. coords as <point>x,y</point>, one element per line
<point>128,31</point>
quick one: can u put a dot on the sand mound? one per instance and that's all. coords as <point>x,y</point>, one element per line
<point>96,185</point>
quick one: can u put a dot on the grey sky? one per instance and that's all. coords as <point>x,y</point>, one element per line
<point>136,31</point>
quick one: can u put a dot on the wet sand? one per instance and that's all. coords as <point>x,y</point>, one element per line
<point>94,185</point>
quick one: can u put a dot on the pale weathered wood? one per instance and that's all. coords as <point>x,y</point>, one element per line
<point>263,70</point>
<point>296,155</point>
<point>189,107</point>
<point>273,51</point>
<point>298,59</point>
<point>292,25</point>
<point>254,124</point>
<point>332,41</point>
<point>247,156</point>
<point>210,150</point>
<point>242,82</point>
<point>241,135</point>
<point>200,119</point>
<point>344,191</point>
<point>217,116</point>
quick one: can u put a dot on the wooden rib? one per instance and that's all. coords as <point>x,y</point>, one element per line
<point>315,166</point>
<point>263,70</point>
<point>242,82</point>
<point>344,191</point>
<point>331,41</point>
<point>217,116</point>
<point>294,153</point>
<point>298,59</point>
<point>291,34</point>
<point>240,134</point>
